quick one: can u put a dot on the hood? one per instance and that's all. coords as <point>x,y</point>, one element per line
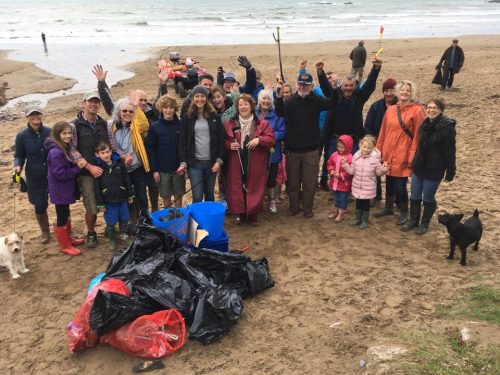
<point>100,162</point>
<point>445,122</point>
<point>50,144</point>
<point>347,140</point>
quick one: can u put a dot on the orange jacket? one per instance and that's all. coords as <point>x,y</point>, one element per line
<point>397,148</point>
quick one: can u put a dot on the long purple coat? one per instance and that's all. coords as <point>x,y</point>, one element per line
<point>61,176</point>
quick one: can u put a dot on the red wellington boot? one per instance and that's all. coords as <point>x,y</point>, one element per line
<point>73,240</point>
<point>64,242</point>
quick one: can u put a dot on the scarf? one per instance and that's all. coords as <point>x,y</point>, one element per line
<point>246,128</point>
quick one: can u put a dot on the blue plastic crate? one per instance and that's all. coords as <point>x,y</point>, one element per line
<point>220,244</point>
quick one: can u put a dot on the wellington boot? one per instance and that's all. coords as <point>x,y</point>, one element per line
<point>388,208</point>
<point>111,237</point>
<point>64,243</point>
<point>364,220</point>
<point>403,213</point>
<point>74,241</point>
<point>43,223</point>
<point>429,209</point>
<point>357,218</point>
<point>415,208</point>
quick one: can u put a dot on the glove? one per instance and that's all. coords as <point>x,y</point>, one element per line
<point>243,61</point>
<point>449,176</point>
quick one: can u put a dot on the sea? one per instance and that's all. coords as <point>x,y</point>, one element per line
<point>117,32</point>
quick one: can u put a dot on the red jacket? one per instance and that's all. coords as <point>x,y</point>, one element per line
<point>342,183</point>
<point>251,201</point>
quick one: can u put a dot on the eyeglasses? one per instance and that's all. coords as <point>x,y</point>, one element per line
<point>431,107</point>
<point>127,111</point>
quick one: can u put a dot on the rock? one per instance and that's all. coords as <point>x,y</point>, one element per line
<point>385,352</point>
<point>362,363</point>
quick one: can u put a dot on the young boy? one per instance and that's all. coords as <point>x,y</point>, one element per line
<point>113,191</point>
<point>163,151</point>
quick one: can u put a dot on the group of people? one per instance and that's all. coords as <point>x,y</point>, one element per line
<point>241,135</point>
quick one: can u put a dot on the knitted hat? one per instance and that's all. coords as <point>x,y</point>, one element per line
<point>200,90</point>
<point>389,83</point>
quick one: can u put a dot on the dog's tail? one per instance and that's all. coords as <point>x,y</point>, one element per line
<point>476,213</point>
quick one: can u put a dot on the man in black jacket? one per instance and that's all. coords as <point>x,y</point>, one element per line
<point>302,138</point>
<point>451,62</point>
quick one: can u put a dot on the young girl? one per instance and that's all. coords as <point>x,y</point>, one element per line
<point>61,180</point>
<point>365,167</point>
<point>340,180</point>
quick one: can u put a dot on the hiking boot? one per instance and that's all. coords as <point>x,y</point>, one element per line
<point>92,240</point>
<point>415,207</point>
<point>388,208</point>
<point>357,219</point>
<point>429,209</point>
<point>403,213</point>
<point>111,237</point>
<point>364,220</point>
<point>43,223</point>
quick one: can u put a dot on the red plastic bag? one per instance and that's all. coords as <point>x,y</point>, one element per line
<point>150,336</point>
<point>78,334</point>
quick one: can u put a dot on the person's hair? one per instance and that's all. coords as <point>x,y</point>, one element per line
<point>219,89</point>
<point>289,86</point>
<point>263,94</point>
<point>413,87</point>
<point>137,92</point>
<point>258,73</point>
<point>101,146</point>
<point>439,103</point>
<point>57,129</point>
<point>370,139</point>
<point>117,110</point>
<point>208,76</point>
<point>348,78</point>
<point>208,109</point>
<point>246,98</point>
<point>167,101</point>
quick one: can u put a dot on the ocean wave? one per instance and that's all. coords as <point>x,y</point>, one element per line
<point>140,23</point>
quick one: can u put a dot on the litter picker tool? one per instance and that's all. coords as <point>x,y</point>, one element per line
<point>380,37</point>
<point>278,40</point>
<point>243,175</point>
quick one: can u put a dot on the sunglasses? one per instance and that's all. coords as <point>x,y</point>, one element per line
<point>127,111</point>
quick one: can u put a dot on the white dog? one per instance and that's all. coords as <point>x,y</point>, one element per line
<point>11,254</point>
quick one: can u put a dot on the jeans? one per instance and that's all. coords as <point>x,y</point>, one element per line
<point>202,180</point>
<point>340,198</point>
<point>138,178</point>
<point>396,186</point>
<point>423,187</point>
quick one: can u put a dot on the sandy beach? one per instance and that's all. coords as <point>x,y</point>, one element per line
<point>339,291</point>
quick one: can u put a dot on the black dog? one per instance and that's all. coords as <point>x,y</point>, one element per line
<point>462,234</point>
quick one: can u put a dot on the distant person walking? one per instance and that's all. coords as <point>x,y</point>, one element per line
<point>44,39</point>
<point>358,57</point>
<point>451,62</point>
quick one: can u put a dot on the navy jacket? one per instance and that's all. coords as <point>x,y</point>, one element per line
<point>163,145</point>
<point>114,185</point>
<point>375,116</point>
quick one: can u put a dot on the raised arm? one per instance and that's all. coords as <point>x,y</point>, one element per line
<point>103,89</point>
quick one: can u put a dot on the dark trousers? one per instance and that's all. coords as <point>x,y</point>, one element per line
<point>396,186</point>
<point>62,213</point>
<point>379,188</point>
<point>363,204</point>
<point>271,176</point>
<point>138,178</point>
<point>302,171</point>
<point>41,209</point>
<point>448,75</point>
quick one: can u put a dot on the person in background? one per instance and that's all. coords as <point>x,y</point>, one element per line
<point>248,139</point>
<point>434,159</point>
<point>201,145</point>
<point>358,57</point>
<point>163,149</point>
<point>397,141</point>
<point>373,122</point>
<point>61,178</point>
<point>228,79</point>
<point>30,151</point>
<point>265,110</point>
<point>451,62</point>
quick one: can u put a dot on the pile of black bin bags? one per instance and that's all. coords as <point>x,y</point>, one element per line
<point>206,286</point>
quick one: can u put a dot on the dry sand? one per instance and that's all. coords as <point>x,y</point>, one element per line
<point>376,282</point>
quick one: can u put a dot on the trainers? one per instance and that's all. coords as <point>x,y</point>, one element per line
<point>92,240</point>
<point>272,207</point>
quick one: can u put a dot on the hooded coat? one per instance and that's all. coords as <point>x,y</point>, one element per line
<point>61,174</point>
<point>251,202</point>
<point>436,149</point>
<point>397,148</point>
<point>343,182</point>
<point>365,169</point>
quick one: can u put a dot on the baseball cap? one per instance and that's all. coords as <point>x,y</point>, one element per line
<point>305,79</point>
<point>33,109</point>
<point>229,76</point>
<point>91,95</point>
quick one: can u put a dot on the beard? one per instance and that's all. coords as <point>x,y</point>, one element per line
<point>302,94</point>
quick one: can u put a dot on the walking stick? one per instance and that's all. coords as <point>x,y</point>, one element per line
<point>277,40</point>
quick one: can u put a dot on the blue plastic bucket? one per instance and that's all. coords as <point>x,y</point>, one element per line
<point>209,216</point>
<point>221,244</point>
<point>178,227</point>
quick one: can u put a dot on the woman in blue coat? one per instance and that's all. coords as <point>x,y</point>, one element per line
<point>265,110</point>
<point>31,155</point>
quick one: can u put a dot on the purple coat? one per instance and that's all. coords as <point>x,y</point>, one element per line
<point>61,175</point>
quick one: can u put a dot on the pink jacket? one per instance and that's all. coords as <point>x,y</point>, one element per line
<point>365,170</point>
<point>342,183</point>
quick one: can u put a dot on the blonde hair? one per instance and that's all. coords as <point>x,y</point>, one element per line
<point>370,139</point>
<point>413,87</point>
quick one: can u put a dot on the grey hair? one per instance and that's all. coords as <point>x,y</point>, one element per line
<point>262,94</point>
<point>348,78</point>
<point>118,107</point>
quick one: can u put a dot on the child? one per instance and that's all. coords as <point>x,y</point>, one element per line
<point>113,191</point>
<point>340,180</point>
<point>61,181</point>
<point>365,167</point>
<point>163,149</point>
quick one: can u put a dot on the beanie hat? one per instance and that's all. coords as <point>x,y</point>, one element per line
<point>389,83</point>
<point>200,90</point>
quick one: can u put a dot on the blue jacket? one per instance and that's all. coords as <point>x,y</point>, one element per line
<point>278,125</point>
<point>375,116</point>
<point>30,150</point>
<point>163,145</point>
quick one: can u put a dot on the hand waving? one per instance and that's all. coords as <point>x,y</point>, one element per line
<point>99,73</point>
<point>244,62</point>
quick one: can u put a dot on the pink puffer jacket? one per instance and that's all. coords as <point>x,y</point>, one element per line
<point>365,170</point>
